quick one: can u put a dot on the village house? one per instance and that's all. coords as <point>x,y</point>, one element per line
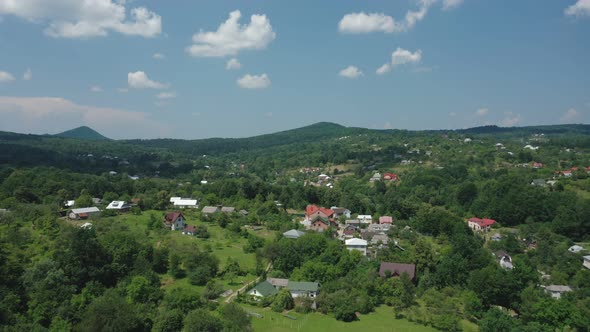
<point>209,210</point>
<point>340,211</point>
<point>263,289</point>
<point>349,231</point>
<point>481,225</point>
<point>82,213</point>
<point>375,177</point>
<point>386,220</point>
<point>69,204</point>
<point>586,263</point>
<point>313,212</point>
<point>390,177</point>
<point>397,269</point>
<point>357,244</point>
<point>382,239</point>
<point>228,209</point>
<point>557,290</point>
<point>365,218</point>
<point>175,220</point>
<point>504,259</point>
<point>575,248</point>
<point>189,230</point>
<point>303,288</point>
<point>278,283</point>
<point>379,228</point>
<point>293,234</point>
<point>353,222</point>
<point>537,165</point>
<point>185,203</point>
<point>120,206</point>
<point>538,183</point>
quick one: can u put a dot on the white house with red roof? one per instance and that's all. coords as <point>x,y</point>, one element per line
<point>386,220</point>
<point>390,177</point>
<point>313,212</point>
<point>481,225</point>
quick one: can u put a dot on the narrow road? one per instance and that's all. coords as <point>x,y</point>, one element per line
<point>242,289</point>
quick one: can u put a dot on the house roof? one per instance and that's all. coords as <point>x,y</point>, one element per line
<point>356,242</point>
<point>339,210</point>
<point>190,228</point>
<point>228,209</point>
<point>304,286</point>
<point>311,209</point>
<point>558,288</point>
<point>173,199</point>
<point>587,257</point>
<point>70,203</point>
<point>210,209</point>
<point>293,234</point>
<point>278,282</point>
<point>385,220</point>
<point>172,216</point>
<point>390,176</point>
<point>185,202</point>
<point>576,248</point>
<point>483,222</point>
<point>364,216</point>
<point>397,269</point>
<point>117,205</point>
<point>265,288</point>
<point>86,210</point>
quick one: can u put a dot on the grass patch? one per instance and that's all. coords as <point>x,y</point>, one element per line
<point>382,320</point>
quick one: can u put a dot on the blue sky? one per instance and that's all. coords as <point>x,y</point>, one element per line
<point>445,64</point>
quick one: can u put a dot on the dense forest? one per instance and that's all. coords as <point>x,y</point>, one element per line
<point>128,272</point>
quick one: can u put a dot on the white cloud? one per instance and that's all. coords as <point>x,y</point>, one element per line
<point>85,19</point>
<point>95,88</point>
<point>140,80</point>
<point>357,23</point>
<point>40,114</point>
<point>400,57</point>
<point>233,63</point>
<point>450,4</point>
<point>570,116</point>
<point>482,111</point>
<point>6,77</point>
<point>254,81</point>
<point>28,75</point>
<point>386,68</point>
<point>166,95</point>
<point>580,8</point>
<point>231,37</point>
<point>510,119</point>
<point>350,72</point>
<point>159,56</point>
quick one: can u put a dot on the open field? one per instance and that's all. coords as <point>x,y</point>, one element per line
<point>382,320</point>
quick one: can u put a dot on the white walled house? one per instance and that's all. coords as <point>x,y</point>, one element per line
<point>357,244</point>
<point>303,288</point>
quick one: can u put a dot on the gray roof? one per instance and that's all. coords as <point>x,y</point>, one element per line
<point>265,288</point>
<point>228,209</point>
<point>209,209</point>
<point>86,210</point>
<point>293,234</point>
<point>303,286</point>
<point>558,288</point>
<point>278,282</point>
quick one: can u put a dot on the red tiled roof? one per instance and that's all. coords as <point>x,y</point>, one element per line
<point>172,216</point>
<point>390,176</point>
<point>311,209</point>
<point>190,228</point>
<point>574,168</point>
<point>397,269</point>
<point>483,222</point>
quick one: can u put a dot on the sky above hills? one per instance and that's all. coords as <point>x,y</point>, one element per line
<point>195,69</point>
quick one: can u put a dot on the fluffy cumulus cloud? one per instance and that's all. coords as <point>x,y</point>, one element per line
<point>400,57</point>
<point>232,37</point>
<point>450,4</point>
<point>140,80</point>
<point>159,56</point>
<point>28,75</point>
<point>85,19</point>
<point>579,9</point>
<point>166,95</point>
<point>36,114</point>
<point>570,116</point>
<point>233,64</point>
<point>351,72</point>
<point>6,77</point>
<point>358,23</point>
<point>254,81</point>
<point>510,119</point>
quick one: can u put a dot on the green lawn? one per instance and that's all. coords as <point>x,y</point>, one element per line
<point>382,320</point>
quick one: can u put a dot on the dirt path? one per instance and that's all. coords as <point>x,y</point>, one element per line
<point>243,288</point>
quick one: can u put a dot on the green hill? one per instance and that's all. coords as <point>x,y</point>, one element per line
<point>83,133</point>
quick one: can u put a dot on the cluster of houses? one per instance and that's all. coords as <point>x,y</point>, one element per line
<point>568,173</point>
<point>386,177</point>
<point>272,286</point>
<point>480,225</point>
<point>211,210</point>
<point>357,233</point>
<point>87,212</point>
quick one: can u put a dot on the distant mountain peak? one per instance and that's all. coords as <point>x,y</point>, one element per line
<point>83,132</point>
